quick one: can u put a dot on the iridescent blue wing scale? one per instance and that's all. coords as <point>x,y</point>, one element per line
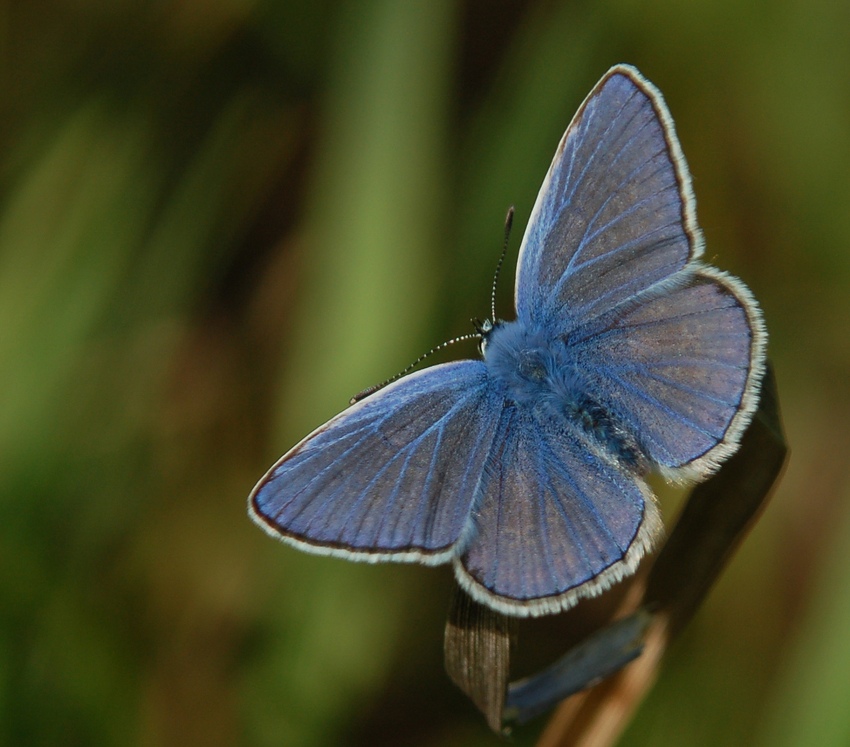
<point>557,520</point>
<point>391,478</point>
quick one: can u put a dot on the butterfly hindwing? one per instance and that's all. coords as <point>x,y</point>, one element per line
<point>680,370</point>
<point>556,520</point>
<point>392,477</point>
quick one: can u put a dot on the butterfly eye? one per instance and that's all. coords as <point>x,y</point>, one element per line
<point>483,329</point>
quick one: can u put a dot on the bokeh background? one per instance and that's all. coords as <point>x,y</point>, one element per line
<point>221,218</point>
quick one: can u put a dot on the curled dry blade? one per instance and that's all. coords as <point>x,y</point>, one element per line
<point>716,517</point>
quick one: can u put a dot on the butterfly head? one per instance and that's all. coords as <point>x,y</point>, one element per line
<point>483,330</point>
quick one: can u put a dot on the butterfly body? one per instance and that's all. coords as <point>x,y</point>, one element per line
<point>542,374</point>
<point>531,368</point>
<point>526,470</point>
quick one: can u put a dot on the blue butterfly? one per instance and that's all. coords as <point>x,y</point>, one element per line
<point>526,470</point>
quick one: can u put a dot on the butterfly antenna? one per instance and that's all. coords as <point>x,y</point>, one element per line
<point>375,387</point>
<point>480,327</point>
<point>509,221</point>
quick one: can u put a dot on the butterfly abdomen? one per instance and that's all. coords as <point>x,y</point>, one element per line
<point>603,428</point>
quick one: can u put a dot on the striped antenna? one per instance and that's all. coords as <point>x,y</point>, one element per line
<point>509,221</point>
<point>481,328</point>
<point>375,387</point>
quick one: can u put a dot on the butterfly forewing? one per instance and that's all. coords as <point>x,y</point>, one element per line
<point>392,477</point>
<point>614,214</point>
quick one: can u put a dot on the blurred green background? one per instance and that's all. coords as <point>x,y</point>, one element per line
<point>219,219</point>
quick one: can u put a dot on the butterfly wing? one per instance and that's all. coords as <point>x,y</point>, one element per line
<point>681,370</point>
<point>556,521</point>
<point>392,477</point>
<point>672,350</point>
<point>615,213</point>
